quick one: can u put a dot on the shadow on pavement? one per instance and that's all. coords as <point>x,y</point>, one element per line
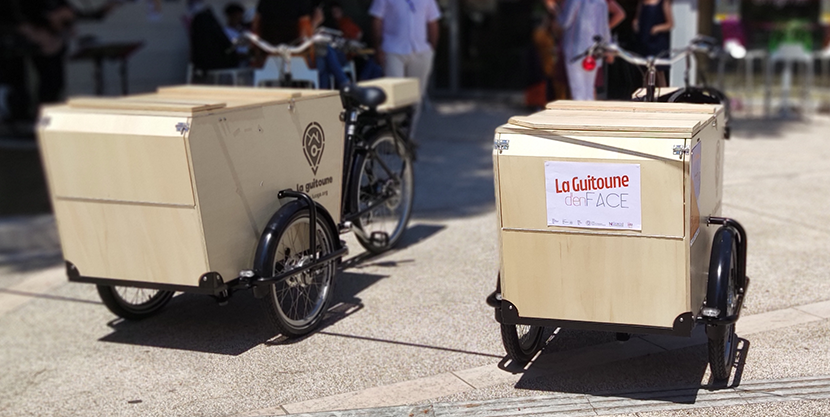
<point>196,323</point>
<point>672,375</point>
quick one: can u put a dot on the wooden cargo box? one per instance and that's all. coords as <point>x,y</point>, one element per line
<point>162,188</point>
<point>602,210</point>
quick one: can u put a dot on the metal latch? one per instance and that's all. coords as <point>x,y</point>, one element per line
<point>501,145</point>
<point>680,150</point>
<point>182,127</point>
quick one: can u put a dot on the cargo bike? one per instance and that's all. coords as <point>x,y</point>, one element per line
<point>609,218</point>
<point>211,190</point>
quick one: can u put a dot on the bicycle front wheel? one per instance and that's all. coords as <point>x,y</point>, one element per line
<point>382,192</point>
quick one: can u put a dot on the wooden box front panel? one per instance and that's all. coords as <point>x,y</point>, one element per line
<point>594,278</point>
<point>607,276</point>
<point>522,180</point>
<point>243,158</point>
<point>85,161</point>
<point>146,243</point>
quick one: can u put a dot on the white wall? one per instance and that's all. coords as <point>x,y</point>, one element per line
<point>162,60</point>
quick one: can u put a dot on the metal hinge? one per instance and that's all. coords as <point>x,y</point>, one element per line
<point>501,145</point>
<point>680,150</point>
<point>182,127</point>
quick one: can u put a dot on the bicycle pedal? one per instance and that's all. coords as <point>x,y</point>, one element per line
<point>379,238</point>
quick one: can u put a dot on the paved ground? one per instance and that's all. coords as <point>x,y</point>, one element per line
<point>411,333</point>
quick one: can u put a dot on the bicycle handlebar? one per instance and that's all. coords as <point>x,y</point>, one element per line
<point>697,44</point>
<point>283,49</point>
<point>323,36</point>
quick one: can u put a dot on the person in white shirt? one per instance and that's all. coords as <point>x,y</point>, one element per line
<point>406,35</point>
<point>581,20</point>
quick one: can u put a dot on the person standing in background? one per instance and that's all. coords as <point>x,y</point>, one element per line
<point>653,23</point>
<point>581,21</point>
<point>406,35</point>
<point>616,15</point>
<point>623,77</point>
<point>281,21</point>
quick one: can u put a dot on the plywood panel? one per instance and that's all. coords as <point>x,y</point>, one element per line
<point>606,279</point>
<point>538,143</point>
<point>522,180</point>
<point>147,169</point>
<point>132,242</point>
<point>708,204</point>
<point>400,92</point>
<point>597,121</point>
<point>243,159</point>
<point>65,119</point>
<point>635,107</point>
<point>145,103</point>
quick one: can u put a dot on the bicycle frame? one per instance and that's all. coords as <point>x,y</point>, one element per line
<point>360,125</point>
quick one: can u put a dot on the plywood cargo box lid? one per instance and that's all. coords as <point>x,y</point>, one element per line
<point>192,100</point>
<point>674,120</point>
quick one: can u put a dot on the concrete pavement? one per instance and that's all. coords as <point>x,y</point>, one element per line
<point>411,329</point>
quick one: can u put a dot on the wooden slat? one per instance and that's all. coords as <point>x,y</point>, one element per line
<point>99,166</point>
<point>523,202</point>
<point>597,121</point>
<point>132,242</point>
<point>606,279</point>
<point>634,107</point>
<point>144,104</point>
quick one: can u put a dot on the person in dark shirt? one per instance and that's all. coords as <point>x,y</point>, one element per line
<point>50,24</point>
<point>210,48</point>
<point>282,21</point>
<point>285,21</point>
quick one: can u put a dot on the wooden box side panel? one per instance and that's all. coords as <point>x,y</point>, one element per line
<point>605,279</point>
<point>523,202</point>
<point>143,243</point>
<point>710,142</point>
<point>498,200</point>
<point>242,159</point>
<point>118,167</point>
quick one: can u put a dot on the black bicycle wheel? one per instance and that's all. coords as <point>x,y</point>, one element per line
<point>297,304</point>
<point>383,187</point>
<point>133,303</point>
<point>521,341</point>
<point>722,339</point>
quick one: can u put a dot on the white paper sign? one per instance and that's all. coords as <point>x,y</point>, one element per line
<point>593,195</point>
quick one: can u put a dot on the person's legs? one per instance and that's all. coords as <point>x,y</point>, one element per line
<point>395,65</point>
<point>420,67</point>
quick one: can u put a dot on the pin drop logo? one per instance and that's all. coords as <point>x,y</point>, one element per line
<point>314,142</point>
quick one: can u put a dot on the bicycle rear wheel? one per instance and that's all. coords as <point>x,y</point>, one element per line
<point>383,191</point>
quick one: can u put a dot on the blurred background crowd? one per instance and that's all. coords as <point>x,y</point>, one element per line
<point>489,46</point>
<point>517,51</point>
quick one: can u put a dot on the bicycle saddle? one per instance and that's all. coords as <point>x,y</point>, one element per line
<point>370,97</point>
